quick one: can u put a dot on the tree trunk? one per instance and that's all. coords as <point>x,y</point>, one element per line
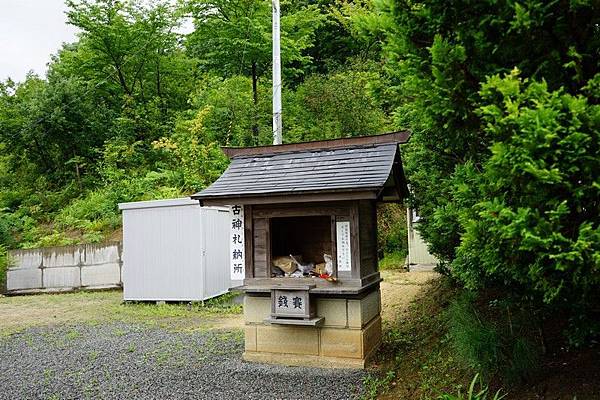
<point>158,88</point>
<point>77,172</point>
<point>255,99</point>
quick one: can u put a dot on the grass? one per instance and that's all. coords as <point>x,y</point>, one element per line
<point>392,261</point>
<point>477,391</point>
<point>3,267</point>
<point>72,334</point>
<point>21,312</point>
<point>444,338</point>
<point>93,356</point>
<point>416,361</point>
<point>490,343</point>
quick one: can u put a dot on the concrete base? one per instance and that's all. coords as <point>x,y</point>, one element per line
<point>350,334</point>
<point>303,360</point>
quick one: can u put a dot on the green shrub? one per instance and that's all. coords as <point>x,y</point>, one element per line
<point>93,216</point>
<point>341,104</point>
<point>534,228</point>
<point>392,235</point>
<point>504,170</point>
<point>481,393</point>
<point>6,228</point>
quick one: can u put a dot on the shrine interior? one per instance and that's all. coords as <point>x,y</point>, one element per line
<point>308,237</point>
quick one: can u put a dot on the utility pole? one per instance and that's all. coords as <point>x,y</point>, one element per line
<point>277,124</point>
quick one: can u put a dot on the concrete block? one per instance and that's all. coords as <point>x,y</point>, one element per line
<point>101,254</point>
<point>341,342</point>
<point>334,311</point>
<point>250,337</point>
<point>360,312</point>
<point>23,278</point>
<point>303,360</point>
<point>58,257</point>
<point>101,275</point>
<point>372,337</point>
<point>25,258</point>
<point>256,309</point>
<point>370,306</point>
<point>354,314</point>
<point>67,277</point>
<point>287,339</point>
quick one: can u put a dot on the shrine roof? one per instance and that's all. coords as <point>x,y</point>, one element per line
<point>366,164</point>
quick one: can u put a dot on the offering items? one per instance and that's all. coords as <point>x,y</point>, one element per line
<point>305,269</point>
<point>293,267</point>
<point>287,264</point>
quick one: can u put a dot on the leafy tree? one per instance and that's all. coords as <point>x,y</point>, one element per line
<point>232,112</point>
<point>333,106</point>
<point>55,125</point>
<point>502,173</point>
<point>131,54</point>
<point>200,163</point>
<point>437,56</point>
<point>133,44</point>
<point>350,35</point>
<point>535,223</point>
<point>233,37</point>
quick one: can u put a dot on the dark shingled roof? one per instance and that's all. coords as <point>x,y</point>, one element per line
<point>364,167</point>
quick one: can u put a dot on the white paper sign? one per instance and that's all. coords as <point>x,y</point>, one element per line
<point>237,256</point>
<point>343,246</point>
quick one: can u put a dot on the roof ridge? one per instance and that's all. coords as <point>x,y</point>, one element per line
<point>316,150</point>
<point>398,137</point>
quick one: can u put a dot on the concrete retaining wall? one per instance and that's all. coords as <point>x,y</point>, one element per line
<point>52,269</point>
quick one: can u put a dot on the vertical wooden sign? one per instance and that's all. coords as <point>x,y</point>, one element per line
<point>237,243</point>
<point>344,257</point>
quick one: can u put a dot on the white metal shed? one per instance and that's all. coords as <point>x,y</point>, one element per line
<point>175,250</point>
<point>417,248</point>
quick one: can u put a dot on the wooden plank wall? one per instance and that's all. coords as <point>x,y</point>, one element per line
<point>261,248</point>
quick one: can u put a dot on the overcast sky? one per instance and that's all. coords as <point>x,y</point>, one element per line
<point>30,31</point>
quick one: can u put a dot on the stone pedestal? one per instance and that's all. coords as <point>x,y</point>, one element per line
<point>348,337</point>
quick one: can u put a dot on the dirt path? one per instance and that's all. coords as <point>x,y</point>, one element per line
<point>399,289</point>
<point>21,312</point>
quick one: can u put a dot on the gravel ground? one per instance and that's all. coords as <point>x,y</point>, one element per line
<point>127,361</point>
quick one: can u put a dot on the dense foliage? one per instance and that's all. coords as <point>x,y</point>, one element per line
<point>503,163</point>
<point>136,110</point>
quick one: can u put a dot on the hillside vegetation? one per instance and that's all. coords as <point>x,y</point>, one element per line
<point>502,98</point>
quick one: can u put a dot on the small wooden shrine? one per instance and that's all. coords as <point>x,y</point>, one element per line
<point>304,245</point>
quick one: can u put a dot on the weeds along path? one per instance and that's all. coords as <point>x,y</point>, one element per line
<point>399,289</point>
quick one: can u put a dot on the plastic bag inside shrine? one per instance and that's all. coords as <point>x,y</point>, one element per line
<point>304,245</point>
